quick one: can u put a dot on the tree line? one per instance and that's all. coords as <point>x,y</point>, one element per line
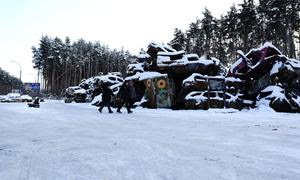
<point>63,63</point>
<point>244,26</point>
<point>8,82</point>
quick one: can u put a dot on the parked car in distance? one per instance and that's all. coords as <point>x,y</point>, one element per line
<point>26,98</point>
<point>4,98</point>
<point>15,97</point>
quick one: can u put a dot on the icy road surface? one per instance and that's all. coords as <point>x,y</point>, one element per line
<point>75,142</point>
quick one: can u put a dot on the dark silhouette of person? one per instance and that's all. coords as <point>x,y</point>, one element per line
<point>132,93</point>
<point>125,97</point>
<point>106,98</point>
<point>36,101</point>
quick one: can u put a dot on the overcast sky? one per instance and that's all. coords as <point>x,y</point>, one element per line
<point>128,23</point>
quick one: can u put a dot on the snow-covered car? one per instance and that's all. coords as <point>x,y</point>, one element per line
<point>256,62</point>
<point>111,79</point>
<point>166,59</point>
<point>75,90</point>
<point>132,69</point>
<point>75,93</point>
<point>26,98</point>
<point>212,99</point>
<point>279,99</point>
<point>115,88</point>
<point>93,84</point>
<point>13,97</point>
<point>115,74</point>
<point>4,98</point>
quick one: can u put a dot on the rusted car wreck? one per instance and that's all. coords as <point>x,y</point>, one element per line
<point>166,78</point>
<point>270,78</point>
<point>262,76</point>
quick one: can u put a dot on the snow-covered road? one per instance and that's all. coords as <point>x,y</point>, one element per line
<point>75,141</point>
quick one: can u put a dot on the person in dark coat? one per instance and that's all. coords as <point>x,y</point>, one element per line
<point>106,98</point>
<point>132,93</point>
<point>123,97</point>
<point>126,95</point>
<point>97,89</point>
<point>36,101</point>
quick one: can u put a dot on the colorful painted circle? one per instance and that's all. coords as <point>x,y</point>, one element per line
<point>161,84</point>
<point>149,83</point>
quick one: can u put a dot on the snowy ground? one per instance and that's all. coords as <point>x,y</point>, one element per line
<point>74,141</point>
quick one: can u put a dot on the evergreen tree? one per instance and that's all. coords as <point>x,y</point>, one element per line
<point>246,25</point>
<point>231,32</point>
<point>8,82</point>
<point>64,63</point>
<point>244,28</point>
<point>194,38</point>
<point>219,41</point>
<point>179,40</point>
<point>207,27</point>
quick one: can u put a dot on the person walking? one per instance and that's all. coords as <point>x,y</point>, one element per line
<point>106,98</point>
<point>132,93</point>
<point>124,97</point>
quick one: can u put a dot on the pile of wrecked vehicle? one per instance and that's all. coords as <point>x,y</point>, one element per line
<point>166,78</point>
<point>186,81</point>
<point>270,78</point>
<point>89,90</point>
